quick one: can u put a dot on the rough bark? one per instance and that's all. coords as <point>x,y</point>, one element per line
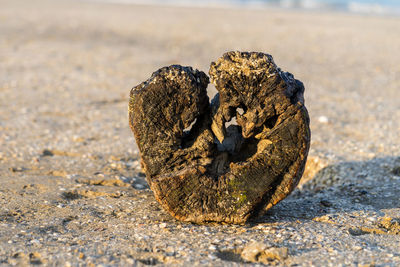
<point>201,170</point>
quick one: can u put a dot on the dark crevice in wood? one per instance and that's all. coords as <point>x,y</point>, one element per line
<point>271,122</point>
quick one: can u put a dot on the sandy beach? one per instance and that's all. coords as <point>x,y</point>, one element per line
<point>72,192</point>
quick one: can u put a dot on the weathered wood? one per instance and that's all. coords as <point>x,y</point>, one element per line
<point>211,172</point>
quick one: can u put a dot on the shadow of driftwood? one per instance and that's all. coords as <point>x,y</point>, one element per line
<point>371,185</point>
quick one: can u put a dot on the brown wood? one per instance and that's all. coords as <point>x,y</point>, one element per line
<point>201,170</point>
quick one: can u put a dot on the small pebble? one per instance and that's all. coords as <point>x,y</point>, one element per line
<point>139,186</point>
<point>212,247</point>
<point>323,119</point>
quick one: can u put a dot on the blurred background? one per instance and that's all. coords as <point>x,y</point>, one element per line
<point>383,7</point>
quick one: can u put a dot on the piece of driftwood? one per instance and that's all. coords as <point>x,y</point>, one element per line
<point>199,168</point>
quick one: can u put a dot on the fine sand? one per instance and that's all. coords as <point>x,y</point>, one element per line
<point>71,187</point>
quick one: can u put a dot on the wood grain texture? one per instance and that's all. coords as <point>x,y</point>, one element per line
<point>199,168</point>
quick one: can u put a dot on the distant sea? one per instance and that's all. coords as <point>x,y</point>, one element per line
<point>383,7</point>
